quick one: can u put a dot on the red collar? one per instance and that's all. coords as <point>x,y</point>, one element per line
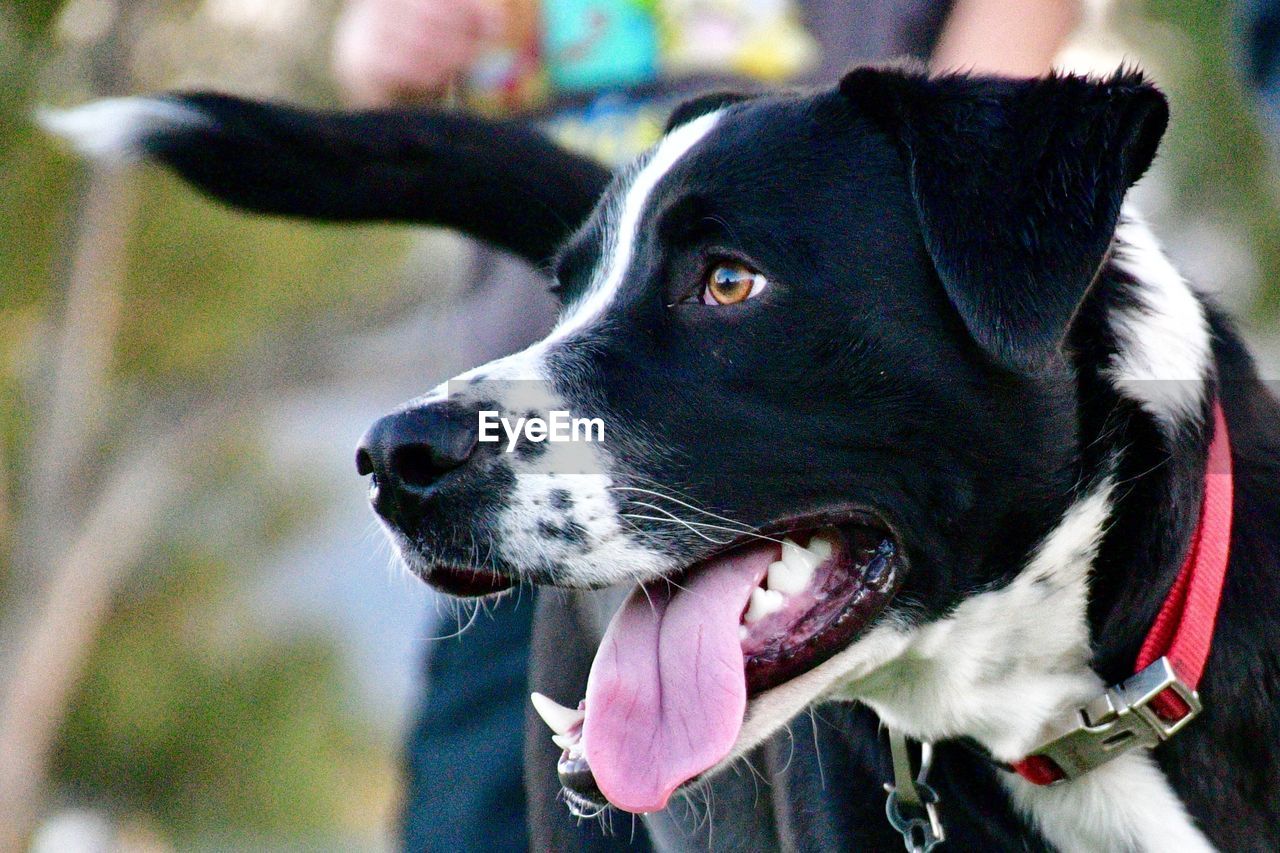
<point>1160,698</point>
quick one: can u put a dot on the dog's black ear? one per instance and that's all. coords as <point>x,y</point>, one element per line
<point>1018,186</point>
<point>701,105</point>
<point>503,183</point>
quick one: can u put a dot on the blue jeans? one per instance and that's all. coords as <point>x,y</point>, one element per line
<point>464,757</point>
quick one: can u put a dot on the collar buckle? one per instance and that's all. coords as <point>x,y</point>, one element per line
<point>1118,721</point>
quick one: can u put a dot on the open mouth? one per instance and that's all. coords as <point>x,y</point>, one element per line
<point>670,684</point>
<point>466,582</point>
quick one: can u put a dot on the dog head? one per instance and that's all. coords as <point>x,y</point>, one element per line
<point>822,338</point>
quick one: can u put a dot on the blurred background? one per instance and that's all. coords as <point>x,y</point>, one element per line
<point>203,640</point>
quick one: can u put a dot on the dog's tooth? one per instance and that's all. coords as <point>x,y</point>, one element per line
<point>822,545</point>
<point>787,578</point>
<point>560,719</point>
<point>743,633</point>
<point>565,741</point>
<point>801,561</point>
<point>763,603</point>
<point>797,557</point>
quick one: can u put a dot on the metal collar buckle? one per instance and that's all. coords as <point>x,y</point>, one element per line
<point>1120,720</point>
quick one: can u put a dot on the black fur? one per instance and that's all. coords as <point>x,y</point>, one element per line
<point>701,105</point>
<point>933,346</point>
<point>1018,184</point>
<point>431,167</point>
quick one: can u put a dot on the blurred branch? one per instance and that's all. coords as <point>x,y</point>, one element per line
<point>82,356</point>
<point>59,630</point>
<point>61,443</point>
<point>51,654</point>
<point>88,510</point>
<point>65,420</point>
<point>6,509</point>
<point>54,627</point>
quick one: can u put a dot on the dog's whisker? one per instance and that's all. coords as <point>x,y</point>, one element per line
<point>645,590</point>
<point>671,519</point>
<point>709,815</point>
<point>685,504</point>
<point>458,607</point>
<point>791,748</point>
<point>817,752</point>
<point>595,815</point>
<point>373,534</point>
<point>686,522</point>
<point>692,524</point>
<point>752,773</point>
<point>667,488</point>
<point>755,772</point>
<point>691,806</point>
<point>667,512</point>
<point>648,535</point>
<point>681,522</point>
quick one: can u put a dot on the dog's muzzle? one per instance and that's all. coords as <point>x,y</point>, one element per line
<point>411,453</point>
<point>419,461</point>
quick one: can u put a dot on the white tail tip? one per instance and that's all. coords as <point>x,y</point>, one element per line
<point>115,130</point>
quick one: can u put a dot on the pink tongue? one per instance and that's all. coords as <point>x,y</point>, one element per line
<point>667,689</point>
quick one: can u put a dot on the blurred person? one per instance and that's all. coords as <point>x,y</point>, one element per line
<point>600,76</point>
<point>1257,37</point>
<point>409,51</point>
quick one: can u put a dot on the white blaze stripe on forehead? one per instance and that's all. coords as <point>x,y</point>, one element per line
<point>622,232</point>
<point>606,549</point>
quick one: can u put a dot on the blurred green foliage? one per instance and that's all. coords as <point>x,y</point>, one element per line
<point>24,37</point>
<point>213,286</point>
<point>1220,167</point>
<point>191,719</point>
<point>34,17</point>
<point>213,729</point>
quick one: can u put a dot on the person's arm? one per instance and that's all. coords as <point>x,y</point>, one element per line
<point>1015,38</point>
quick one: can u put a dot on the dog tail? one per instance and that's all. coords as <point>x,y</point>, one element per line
<point>502,183</point>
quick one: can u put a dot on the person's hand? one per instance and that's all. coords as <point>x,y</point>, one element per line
<point>1013,38</point>
<point>397,51</point>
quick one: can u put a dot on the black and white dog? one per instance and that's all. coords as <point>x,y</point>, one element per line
<point>907,418</point>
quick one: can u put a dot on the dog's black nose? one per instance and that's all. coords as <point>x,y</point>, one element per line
<point>410,451</point>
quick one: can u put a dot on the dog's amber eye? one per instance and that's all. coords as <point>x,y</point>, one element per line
<point>729,283</point>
